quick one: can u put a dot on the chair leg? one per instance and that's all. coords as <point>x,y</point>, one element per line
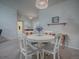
<point>20,55</point>
<point>37,54</point>
<point>58,55</point>
<point>29,57</point>
<point>42,55</point>
<point>54,56</point>
<point>26,57</point>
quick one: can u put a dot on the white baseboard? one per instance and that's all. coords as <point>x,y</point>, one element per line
<point>72,47</point>
<point>10,38</point>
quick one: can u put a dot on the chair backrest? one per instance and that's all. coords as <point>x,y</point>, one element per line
<point>57,41</point>
<point>22,41</point>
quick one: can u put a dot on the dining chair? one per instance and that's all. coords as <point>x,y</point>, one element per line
<point>53,48</point>
<point>26,48</point>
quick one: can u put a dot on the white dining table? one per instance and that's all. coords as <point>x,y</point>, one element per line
<point>40,39</point>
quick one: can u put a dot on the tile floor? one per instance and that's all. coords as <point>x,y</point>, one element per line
<point>9,50</point>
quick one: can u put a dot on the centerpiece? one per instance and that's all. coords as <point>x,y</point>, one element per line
<point>39,29</point>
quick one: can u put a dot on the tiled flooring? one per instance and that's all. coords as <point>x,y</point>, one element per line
<point>69,53</point>
<point>8,50</point>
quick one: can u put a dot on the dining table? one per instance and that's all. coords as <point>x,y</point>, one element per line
<point>40,39</point>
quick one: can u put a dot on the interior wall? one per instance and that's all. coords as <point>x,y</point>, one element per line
<point>68,11</point>
<point>27,23</point>
<point>8,18</point>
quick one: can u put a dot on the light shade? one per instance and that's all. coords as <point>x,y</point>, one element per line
<point>30,17</point>
<point>41,4</point>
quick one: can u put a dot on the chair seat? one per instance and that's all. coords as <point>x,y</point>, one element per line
<point>49,48</point>
<point>28,50</point>
<point>35,44</point>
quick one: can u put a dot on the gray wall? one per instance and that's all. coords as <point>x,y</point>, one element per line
<point>8,17</point>
<point>68,11</point>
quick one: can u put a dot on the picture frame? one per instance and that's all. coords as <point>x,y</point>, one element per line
<point>55,19</point>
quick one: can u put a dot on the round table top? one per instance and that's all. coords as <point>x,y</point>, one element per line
<point>43,37</point>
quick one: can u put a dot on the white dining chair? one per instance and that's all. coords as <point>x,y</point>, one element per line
<point>26,48</point>
<point>53,48</point>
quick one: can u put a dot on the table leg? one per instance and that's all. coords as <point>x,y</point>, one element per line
<point>42,54</point>
<point>38,55</point>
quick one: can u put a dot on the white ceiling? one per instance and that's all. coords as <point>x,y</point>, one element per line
<point>27,7</point>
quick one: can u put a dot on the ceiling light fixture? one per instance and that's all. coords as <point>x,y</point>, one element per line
<point>41,4</point>
<point>30,17</point>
